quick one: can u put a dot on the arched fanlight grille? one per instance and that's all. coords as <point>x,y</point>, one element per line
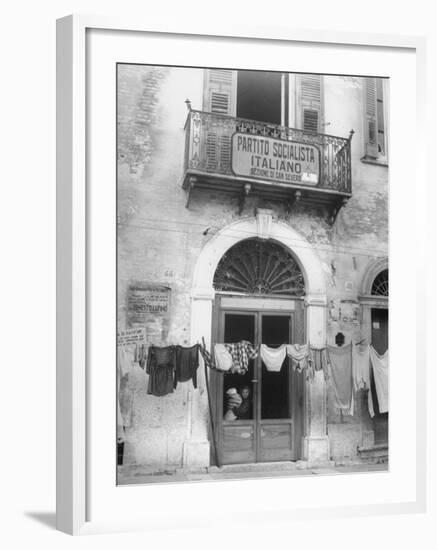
<point>257,267</point>
<point>380,284</point>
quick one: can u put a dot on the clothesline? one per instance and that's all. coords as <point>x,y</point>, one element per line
<point>234,358</point>
<point>166,365</point>
<point>347,367</point>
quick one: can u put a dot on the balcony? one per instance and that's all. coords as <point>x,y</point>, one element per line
<point>248,157</point>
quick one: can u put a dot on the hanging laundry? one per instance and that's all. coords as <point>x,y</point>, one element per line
<point>125,393</point>
<point>273,357</point>
<point>241,352</point>
<point>187,361</point>
<point>120,428</point>
<point>141,358</point>
<point>207,358</point>
<point>160,368</point>
<point>126,399</point>
<point>340,363</point>
<point>380,374</point>
<point>361,366</point>
<point>319,359</point>
<point>223,358</point>
<point>121,367</point>
<point>124,360</point>
<point>300,355</point>
<point>370,402</point>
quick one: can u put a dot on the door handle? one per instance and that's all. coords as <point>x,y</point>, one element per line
<point>254,381</point>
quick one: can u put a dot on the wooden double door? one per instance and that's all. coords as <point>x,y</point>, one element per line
<point>270,426</point>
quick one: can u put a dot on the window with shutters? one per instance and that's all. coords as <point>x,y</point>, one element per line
<point>294,100</point>
<point>308,112</point>
<point>375,120</point>
<point>219,98</point>
<point>262,132</point>
<point>219,91</point>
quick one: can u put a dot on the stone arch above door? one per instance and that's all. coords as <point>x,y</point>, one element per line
<point>373,270</point>
<point>262,226</point>
<point>259,267</point>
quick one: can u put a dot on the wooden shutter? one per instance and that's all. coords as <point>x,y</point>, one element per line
<point>219,97</point>
<point>380,122</point>
<point>220,91</point>
<point>310,102</point>
<point>370,120</point>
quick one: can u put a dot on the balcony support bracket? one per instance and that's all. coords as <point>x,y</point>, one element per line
<point>244,194</point>
<point>336,210</point>
<point>191,185</point>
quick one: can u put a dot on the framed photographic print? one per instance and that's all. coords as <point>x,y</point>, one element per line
<point>232,274</point>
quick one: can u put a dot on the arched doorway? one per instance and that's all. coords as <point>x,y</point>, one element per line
<point>259,289</point>
<point>379,339</point>
<point>204,322</point>
<point>374,300</point>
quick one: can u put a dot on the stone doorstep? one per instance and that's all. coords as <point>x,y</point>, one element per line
<point>378,447</point>
<point>256,467</point>
<point>348,462</point>
<point>266,467</point>
<point>243,471</point>
<point>136,470</point>
<point>374,453</point>
<point>269,467</point>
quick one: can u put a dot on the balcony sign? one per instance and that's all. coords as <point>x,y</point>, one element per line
<point>277,160</point>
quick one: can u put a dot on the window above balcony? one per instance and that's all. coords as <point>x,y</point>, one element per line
<point>242,141</point>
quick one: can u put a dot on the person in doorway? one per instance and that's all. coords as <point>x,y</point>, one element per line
<point>244,410</point>
<point>233,401</point>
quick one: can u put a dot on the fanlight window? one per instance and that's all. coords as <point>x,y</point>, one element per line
<point>258,267</point>
<point>380,284</point>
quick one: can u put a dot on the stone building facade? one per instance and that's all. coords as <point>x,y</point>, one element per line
<point>185,199</point>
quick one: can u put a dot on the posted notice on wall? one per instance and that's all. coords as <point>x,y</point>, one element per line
<point>275,160</point>
<point>147,300</point>
<point>131,336</point>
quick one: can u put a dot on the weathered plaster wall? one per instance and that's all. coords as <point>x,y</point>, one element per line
<point>159,240</point>
<point>359,235</point>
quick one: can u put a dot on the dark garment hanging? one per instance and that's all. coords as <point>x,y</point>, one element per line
<point>161,370</point>
<point>187,361</point>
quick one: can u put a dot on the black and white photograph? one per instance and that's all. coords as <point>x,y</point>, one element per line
<point>218,258</point>
<point>252,274</point>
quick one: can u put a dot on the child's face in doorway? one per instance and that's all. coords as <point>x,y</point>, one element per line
<point>245,392</point>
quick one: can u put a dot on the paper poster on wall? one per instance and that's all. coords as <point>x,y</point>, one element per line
<point>131,336</point>
<point>147,300</point>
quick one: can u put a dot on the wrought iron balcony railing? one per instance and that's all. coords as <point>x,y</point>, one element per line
<point>211,150</point>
